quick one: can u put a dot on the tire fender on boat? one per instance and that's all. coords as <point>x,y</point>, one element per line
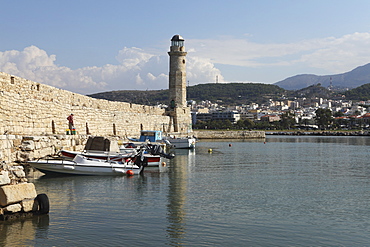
<point>43,202</point>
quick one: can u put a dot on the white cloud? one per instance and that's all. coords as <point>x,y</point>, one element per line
<point>201,70</point>
<point>341,54</point>
<point>335,55</point>
<point>137,70</point>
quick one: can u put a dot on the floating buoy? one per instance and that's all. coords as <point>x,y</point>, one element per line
<point>210,150</point>
<point>230,145</point>
<point>264,142</point>
<point>164,164</point>
<point>130,172</point>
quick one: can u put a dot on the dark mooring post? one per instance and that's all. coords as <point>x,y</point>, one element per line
<point>114,129</point>
<point>52,127</point>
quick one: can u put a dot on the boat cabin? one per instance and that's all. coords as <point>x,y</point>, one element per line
<point>151,135</point>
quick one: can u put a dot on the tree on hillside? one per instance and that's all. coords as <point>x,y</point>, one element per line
<point>323,118</point>
<point>244,124</point>
<point>359,93</point>
<point>287,120</point>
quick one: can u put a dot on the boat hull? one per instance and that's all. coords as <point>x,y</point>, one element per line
<point>153,160</point>
<point>182,143</point>
<point>82,166</point>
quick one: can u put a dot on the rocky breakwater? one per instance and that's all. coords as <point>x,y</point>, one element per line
<point>18,198</point>
<point>229,134</point>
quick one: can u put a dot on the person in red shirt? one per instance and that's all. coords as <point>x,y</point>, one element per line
<point>70,122</point>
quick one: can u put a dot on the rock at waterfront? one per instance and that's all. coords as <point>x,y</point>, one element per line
<point>10,194</point>
<point>29,205</point>
<point>14,208</point>
<point>4,178</point>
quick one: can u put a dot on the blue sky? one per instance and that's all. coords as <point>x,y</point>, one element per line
<point>94,46</point>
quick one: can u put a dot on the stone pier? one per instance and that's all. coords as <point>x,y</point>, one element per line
<point>228,134</point>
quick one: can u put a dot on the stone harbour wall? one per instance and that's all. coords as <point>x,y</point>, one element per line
<point>16,148</point>
<point>31,108</point>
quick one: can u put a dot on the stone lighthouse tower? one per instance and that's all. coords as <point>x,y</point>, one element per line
<point>177,76</point>
<point>178,110</point>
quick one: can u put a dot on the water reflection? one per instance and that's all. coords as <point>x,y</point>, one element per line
<point>24,232</point>
<point>347,140</point>
<point>177,195</point>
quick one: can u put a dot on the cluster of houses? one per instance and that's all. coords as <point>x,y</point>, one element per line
<point>303,110</point>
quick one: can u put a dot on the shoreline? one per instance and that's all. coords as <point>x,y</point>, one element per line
<point>320,133</point>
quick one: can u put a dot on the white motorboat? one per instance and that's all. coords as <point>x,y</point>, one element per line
<point>82,165</point>
<point>182,142</point>
<point>156,136</point>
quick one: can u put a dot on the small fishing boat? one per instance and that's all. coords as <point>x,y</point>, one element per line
<point>152,153</point>
<point>148,136</point>
<point>171,141</point>
<point>103,148</point>
<point>181,142</point>
<point>82,165</point>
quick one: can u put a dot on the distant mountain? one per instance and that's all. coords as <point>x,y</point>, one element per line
<point>351,79</point>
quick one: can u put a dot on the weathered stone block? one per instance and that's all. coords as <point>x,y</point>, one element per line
<point>4,178</point>
<point>37,145</point>
<point>28,145</point>
<point>13,208</point>
<point>29,205</point>
<point>10,194</point>
<point>18,171</point>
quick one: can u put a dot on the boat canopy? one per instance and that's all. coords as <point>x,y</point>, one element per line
<point>151,135</point>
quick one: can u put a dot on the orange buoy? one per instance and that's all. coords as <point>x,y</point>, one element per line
<point>230,145</point>
<point>130,172</point>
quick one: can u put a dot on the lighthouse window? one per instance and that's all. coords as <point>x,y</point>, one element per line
<point>178,43</point>
<point>183,61</point>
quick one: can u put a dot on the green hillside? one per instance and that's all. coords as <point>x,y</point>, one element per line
<point>359,93</point>
<point>223,93</point>
<point>232,94</point>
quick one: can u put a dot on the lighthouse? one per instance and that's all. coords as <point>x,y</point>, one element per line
<point>178,111</point>
<point>177,75</point>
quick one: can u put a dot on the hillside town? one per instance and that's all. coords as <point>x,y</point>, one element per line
<point>304,113</point>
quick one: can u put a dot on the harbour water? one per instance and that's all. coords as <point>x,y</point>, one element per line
<point>281,191</point>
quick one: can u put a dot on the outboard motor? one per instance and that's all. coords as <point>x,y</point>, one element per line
<point>158,150</point>
<point>140,161</point>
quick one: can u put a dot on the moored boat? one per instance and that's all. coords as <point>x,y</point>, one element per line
<point>154,159</point>
<point>155,136</point>
<point>182,142</point>
<point>95,146</point>
<point>82,165</point>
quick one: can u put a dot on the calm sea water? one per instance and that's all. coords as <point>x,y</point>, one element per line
<point>287,191</point>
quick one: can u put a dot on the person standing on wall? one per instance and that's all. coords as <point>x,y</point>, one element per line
<point>70,122</point>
